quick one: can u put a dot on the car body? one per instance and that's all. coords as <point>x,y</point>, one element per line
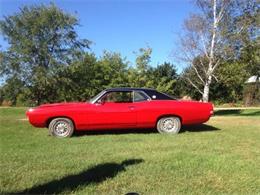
<point>122,108</point>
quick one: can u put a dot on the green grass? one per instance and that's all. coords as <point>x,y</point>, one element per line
<point>222,156</point>
<point>237,112</point>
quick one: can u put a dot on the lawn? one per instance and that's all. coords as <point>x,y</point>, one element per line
<point>221,156</point>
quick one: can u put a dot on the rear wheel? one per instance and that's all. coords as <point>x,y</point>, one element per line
<point>169,125</point>
<point>61,127</point>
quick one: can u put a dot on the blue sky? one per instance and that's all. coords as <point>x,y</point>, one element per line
<point>122,26</point>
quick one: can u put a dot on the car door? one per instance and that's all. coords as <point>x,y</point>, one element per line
<point>145,112</point>
<point>113,110</point>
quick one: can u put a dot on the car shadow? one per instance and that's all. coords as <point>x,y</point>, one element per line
<point>115,131</point>
<point>185,128</point>
<point>93,175</point>
<point>198,128</point>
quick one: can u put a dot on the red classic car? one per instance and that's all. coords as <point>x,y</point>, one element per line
<point>120,108</point>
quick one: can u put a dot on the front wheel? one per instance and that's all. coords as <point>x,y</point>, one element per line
<point>169,125</point>
<point>61,127</point>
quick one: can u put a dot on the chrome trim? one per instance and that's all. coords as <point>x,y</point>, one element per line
<point>97,97</point>
<point>102,93</point>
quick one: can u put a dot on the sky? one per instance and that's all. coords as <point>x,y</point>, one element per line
<point>122,26</point>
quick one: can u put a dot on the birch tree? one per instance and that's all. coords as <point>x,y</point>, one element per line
<point>202,45</point>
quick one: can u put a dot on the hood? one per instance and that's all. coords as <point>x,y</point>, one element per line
<point>62,104</point>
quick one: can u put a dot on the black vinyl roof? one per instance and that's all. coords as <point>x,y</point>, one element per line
<point>129,89</point>
<point>152,93</point>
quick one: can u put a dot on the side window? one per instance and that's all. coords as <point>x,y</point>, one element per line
<point>140,97</point>
<point>118,97</point>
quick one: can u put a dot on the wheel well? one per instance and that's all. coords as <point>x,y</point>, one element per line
<point>168,115</point>
<point>50,119</point>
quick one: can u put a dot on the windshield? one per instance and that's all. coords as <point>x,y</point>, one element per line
<point>94,99</point>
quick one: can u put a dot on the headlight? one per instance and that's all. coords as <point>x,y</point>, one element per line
<point>30,110</point>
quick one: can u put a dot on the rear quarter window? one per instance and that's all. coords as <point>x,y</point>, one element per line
<point>155,95</point>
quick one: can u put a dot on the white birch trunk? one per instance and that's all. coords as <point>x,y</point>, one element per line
<point>206,47</point>
<point>205,95</point>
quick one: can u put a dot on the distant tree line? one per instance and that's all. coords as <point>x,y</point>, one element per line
<point>47,61</point>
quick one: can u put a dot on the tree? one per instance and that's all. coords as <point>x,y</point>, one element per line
<point>140,75</point>
<point>87,76</point>
<point>165,78</point>
<point>232,77</point>
<point>187,74</point>
<point>225,33</point>
<point>42,40</point>
<point>203,40</point>
<point>114,69</point>
<point>11,89</point>
<point>79,81</point>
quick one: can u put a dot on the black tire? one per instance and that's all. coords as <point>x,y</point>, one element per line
<point>61,127</point>
<point>169,125</point>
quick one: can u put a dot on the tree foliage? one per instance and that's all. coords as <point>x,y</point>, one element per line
<point>236,48</point>
<point>42,40</point>
<point>46,61</point>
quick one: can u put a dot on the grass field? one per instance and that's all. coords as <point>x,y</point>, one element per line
<point>222,156</point>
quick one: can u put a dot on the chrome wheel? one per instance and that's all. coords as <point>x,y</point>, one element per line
<point>169,125</point>
<point>61,127</point>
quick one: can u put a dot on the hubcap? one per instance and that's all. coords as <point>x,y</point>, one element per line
<point>168,125</point>
<point>61,128</point>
